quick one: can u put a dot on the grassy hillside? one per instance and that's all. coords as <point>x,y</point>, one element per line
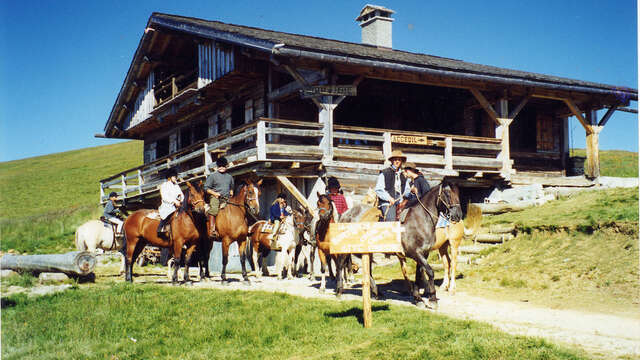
<point>44,199</point>
<point>615,162</point>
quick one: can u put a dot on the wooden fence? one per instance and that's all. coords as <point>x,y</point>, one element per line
<point>354,149</point>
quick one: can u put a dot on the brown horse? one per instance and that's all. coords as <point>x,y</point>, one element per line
<point>326,211</point>
<point>231,223</point>
<point>260,242</point>
<point>140,230</point>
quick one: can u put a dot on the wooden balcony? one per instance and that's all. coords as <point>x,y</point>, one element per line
<point>274,147</point>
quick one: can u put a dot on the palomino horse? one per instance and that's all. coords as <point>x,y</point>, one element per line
<point>231,223</point>
<point>95,234</point>
<point>420,236</point>
<point>186,232</point>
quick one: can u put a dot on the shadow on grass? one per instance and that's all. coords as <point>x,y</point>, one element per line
<point>356,312</point>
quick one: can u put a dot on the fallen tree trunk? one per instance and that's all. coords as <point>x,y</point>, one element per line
<point>493,238</point>
<point>73,263</point>
<point>504,207</point>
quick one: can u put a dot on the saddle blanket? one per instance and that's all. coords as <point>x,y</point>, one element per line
<point>153,215</point>
<point>267,228</point>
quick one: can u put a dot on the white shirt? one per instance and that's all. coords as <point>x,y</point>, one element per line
<point>169,192</point>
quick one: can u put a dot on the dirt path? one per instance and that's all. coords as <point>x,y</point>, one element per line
<point>602,335</point>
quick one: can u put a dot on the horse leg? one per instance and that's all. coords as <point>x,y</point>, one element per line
<point>263,261</point>
<point>255,261</point>
<point>341,261</point>
<point>130,258</point>
<point>323,266</point>
<point>189,254</point>
<point>177,260</point>
<point>296,256</point>
<point>444,255</point>
<point>378,295</point>
<point>312,257</point>
<point>225,258</point>
<point>242,247</point>
<point>403,267</point>
<point>430,289</point>
<point>454,264</point>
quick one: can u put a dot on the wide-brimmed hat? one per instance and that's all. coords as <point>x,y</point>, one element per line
<point>397,154</point>
<point>410,166</point>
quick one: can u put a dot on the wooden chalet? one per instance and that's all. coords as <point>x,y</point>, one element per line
<point>299,107</point>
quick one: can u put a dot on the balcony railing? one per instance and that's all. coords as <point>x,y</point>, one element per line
<point>273,140</point>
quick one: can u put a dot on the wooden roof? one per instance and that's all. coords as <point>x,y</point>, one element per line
<point>295,45</point>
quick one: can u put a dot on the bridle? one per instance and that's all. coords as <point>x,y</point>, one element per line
<point>439,199</point>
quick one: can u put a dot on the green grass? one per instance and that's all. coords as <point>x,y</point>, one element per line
<point>616,163</point>
<point>62,181</point>
<point>585,211</point>
<point>157,322</point>
<point>44,199</point>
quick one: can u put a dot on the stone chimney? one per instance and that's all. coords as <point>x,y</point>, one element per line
<point>376,25</point>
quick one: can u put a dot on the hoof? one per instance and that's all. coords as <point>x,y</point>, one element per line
<point>247,282</point>
<point>380,297</point>
<point>321,290</point>
<point>338,295</point>
<point>421,305</point>
<point>432,304</point>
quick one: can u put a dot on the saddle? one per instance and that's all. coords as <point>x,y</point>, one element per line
<point>153,215</point>
<point>114,228</point>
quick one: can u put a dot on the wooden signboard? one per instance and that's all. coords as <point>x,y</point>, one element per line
<point>365,238</point>
<point>322,90</point>
<point>408,139</point>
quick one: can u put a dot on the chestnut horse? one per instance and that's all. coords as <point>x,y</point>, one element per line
<point>231,223</point>
<point>186,231</point>
<point>260,246</point>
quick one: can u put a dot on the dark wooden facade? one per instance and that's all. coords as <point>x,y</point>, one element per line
<point>198,88</point>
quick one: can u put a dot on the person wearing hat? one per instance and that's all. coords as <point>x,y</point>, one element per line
<point>334,193</point>
<point>112,213</point>
<point>219,185</point>
<point>171,196</point>
<point>390,185</point>
<point>416,188</point>
<point>277,213</point>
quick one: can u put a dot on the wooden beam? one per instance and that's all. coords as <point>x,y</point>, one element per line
<point>294,191</point>
<point>607,115</point>
<point>516,110</point>
<point>485,104</point>
<point>296,75</point>
<point>294,86</point>
<point>577,113</point>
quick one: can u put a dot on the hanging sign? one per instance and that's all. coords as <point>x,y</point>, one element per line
<point>409,139</point>
<point>329,90</point>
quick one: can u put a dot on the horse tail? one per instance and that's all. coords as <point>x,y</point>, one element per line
<point>80,245</point>
<point>473,221</point>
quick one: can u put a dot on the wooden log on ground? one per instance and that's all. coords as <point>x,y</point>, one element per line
<point>503,208</point>
<point>502,229</point>
<point>493,238</point>
<point>73,263</point>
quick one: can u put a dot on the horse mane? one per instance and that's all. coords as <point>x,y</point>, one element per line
<point>185,202</point>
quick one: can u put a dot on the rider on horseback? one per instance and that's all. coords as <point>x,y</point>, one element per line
<point>112,213</point>
<point>417,188</point>
<point>172,197</point>
<point>277,214</point>
<point>219,185</point>
<point>390,185</point>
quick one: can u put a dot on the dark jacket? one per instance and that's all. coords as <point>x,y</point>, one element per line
<point>423,188</point>
<point>389,178</point>
<point>275,212</point>
<point>110,210</point>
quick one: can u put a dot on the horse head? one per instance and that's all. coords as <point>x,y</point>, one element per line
<point>194,198</point>
<point>250,193</point>
<point>302,219</point>
<point>325,207</point>
<point>449,201</point>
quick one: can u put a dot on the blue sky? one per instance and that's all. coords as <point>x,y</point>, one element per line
<point>63,62</point>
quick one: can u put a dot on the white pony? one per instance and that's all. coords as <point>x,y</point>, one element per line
<point>94,234</point>
<point>284,259</point>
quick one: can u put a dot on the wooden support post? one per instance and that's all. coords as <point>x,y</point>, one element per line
<point>261,141</point>
<point>325,117</point>
<point>366,290</point>
<point>448,153</point>
<point>485,105</point>
<point>386,146</point>
<point>592,165</point>
<point>140,182</point>
<point>101,191</point>
<point>502,133</point>
<point>302,82</point>
<point>293,190</point>
<point>207,159</point>
<point>124,185</point>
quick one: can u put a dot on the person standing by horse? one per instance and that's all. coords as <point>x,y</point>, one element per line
<point>171,196</point>
<point>390,186</point>
<point>219,185</point>
<point>112,213</point>
<point>417,188</point>
<point>336,196</point>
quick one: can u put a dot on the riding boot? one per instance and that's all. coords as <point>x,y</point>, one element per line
<point>161,225</point>
<point>212,226</point>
